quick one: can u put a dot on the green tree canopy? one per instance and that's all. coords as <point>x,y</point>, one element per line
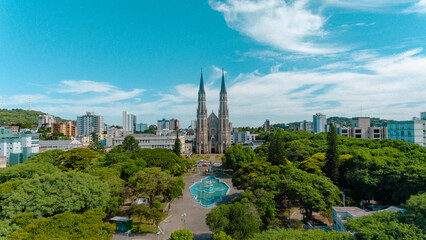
<point>276,152</point>
<point>130,144</point>
<point>237,156</point>
<point>311,192</point>
<point>182,234</point>
<point>178,145</point>
<point>55,193</point>
<point>221,236</point>
<point>45,157</point>
<point>296,234</point>
<point>383,225</point>
<point>331,168</point>
<point>152,182</point>
<point>166,159</point>
<point>26,171</point>
<point>68,226</point>
<point>76,159</point>
<point>243,178</point>
<point>240,221</point>
<point>416,210</point>
<point>314,163</point>
<point>96,146</point>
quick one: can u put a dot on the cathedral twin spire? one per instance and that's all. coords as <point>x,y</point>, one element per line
<point>213,135</point>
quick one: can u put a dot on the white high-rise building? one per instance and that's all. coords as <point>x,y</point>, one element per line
<point>48,120</point>
<point>89,123</point>
<point>129,122</point>
<point>320,123</point>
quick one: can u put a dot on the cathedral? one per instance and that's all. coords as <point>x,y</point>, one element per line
<point>213,134</point>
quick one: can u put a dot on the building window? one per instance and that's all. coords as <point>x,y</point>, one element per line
<point>376,130</point>
<point>357,130</point>
<point>376,135</point>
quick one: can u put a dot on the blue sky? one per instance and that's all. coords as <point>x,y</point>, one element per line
<point>284,60</point>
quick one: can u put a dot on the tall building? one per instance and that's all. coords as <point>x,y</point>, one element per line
<point>361,129</point>
<point>129,122</point>
<point>213,134</point>
<point>242,137</point>
<point>140,127</point>
<point>267,126</point>
<point>89,123</point>
<point>17,148</point>
<point>410,131</point>
<point>174,124</point>
<point>306,126</point>
<point>67,128</point>
<point>46,120</point>
<point>320,123</point>
<point>163,124</point>
<point>193,124</point>
<point>423,116</point>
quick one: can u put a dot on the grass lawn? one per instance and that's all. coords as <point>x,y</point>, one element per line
<point>144,226</point>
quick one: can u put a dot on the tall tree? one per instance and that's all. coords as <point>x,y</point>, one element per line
<point>276,153</point>
<point>177,147</point>
<point>240,221</point>
<point>55,193</point>
<point>68,226</point>
<point>130,144</point>
<point>237,156</point>
<point>153,182</point>
<point>383,225</point>
<point>182,234</point>
<point>332,165</point>
<point>76,159</point>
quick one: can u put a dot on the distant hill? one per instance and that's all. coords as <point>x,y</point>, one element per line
<point>8,117</point>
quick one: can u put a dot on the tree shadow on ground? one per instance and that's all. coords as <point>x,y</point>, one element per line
<point>228,198</point>
<point>203,236</point>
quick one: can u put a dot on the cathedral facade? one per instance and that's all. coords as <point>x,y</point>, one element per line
<point>213,133</point>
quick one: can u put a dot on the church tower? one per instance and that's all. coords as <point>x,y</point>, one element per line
<point>224,129</point>
<point>202,144</point>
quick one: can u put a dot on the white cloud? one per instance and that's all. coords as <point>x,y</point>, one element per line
<point>367,5</point>
<point>276,68</point>
<point>288,26</point>
<point>84,86</point>
<point>419,7</point>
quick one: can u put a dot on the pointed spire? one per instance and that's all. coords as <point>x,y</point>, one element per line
<point>201,83</point>
<point>223,88</point>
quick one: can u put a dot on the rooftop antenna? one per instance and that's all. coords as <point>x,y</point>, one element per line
<point>29,103</point>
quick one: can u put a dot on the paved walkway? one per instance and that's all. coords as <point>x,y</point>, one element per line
<point>185,213</point>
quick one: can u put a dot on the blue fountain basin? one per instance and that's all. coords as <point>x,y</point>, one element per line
<point>209,191</point>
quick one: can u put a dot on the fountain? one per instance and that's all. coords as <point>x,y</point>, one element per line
<point>209,191</point>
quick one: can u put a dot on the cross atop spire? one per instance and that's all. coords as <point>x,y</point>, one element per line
<point>201,83</point>
<point>223,88</point>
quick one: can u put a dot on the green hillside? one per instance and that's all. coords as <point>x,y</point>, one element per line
<point>14,116</point>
